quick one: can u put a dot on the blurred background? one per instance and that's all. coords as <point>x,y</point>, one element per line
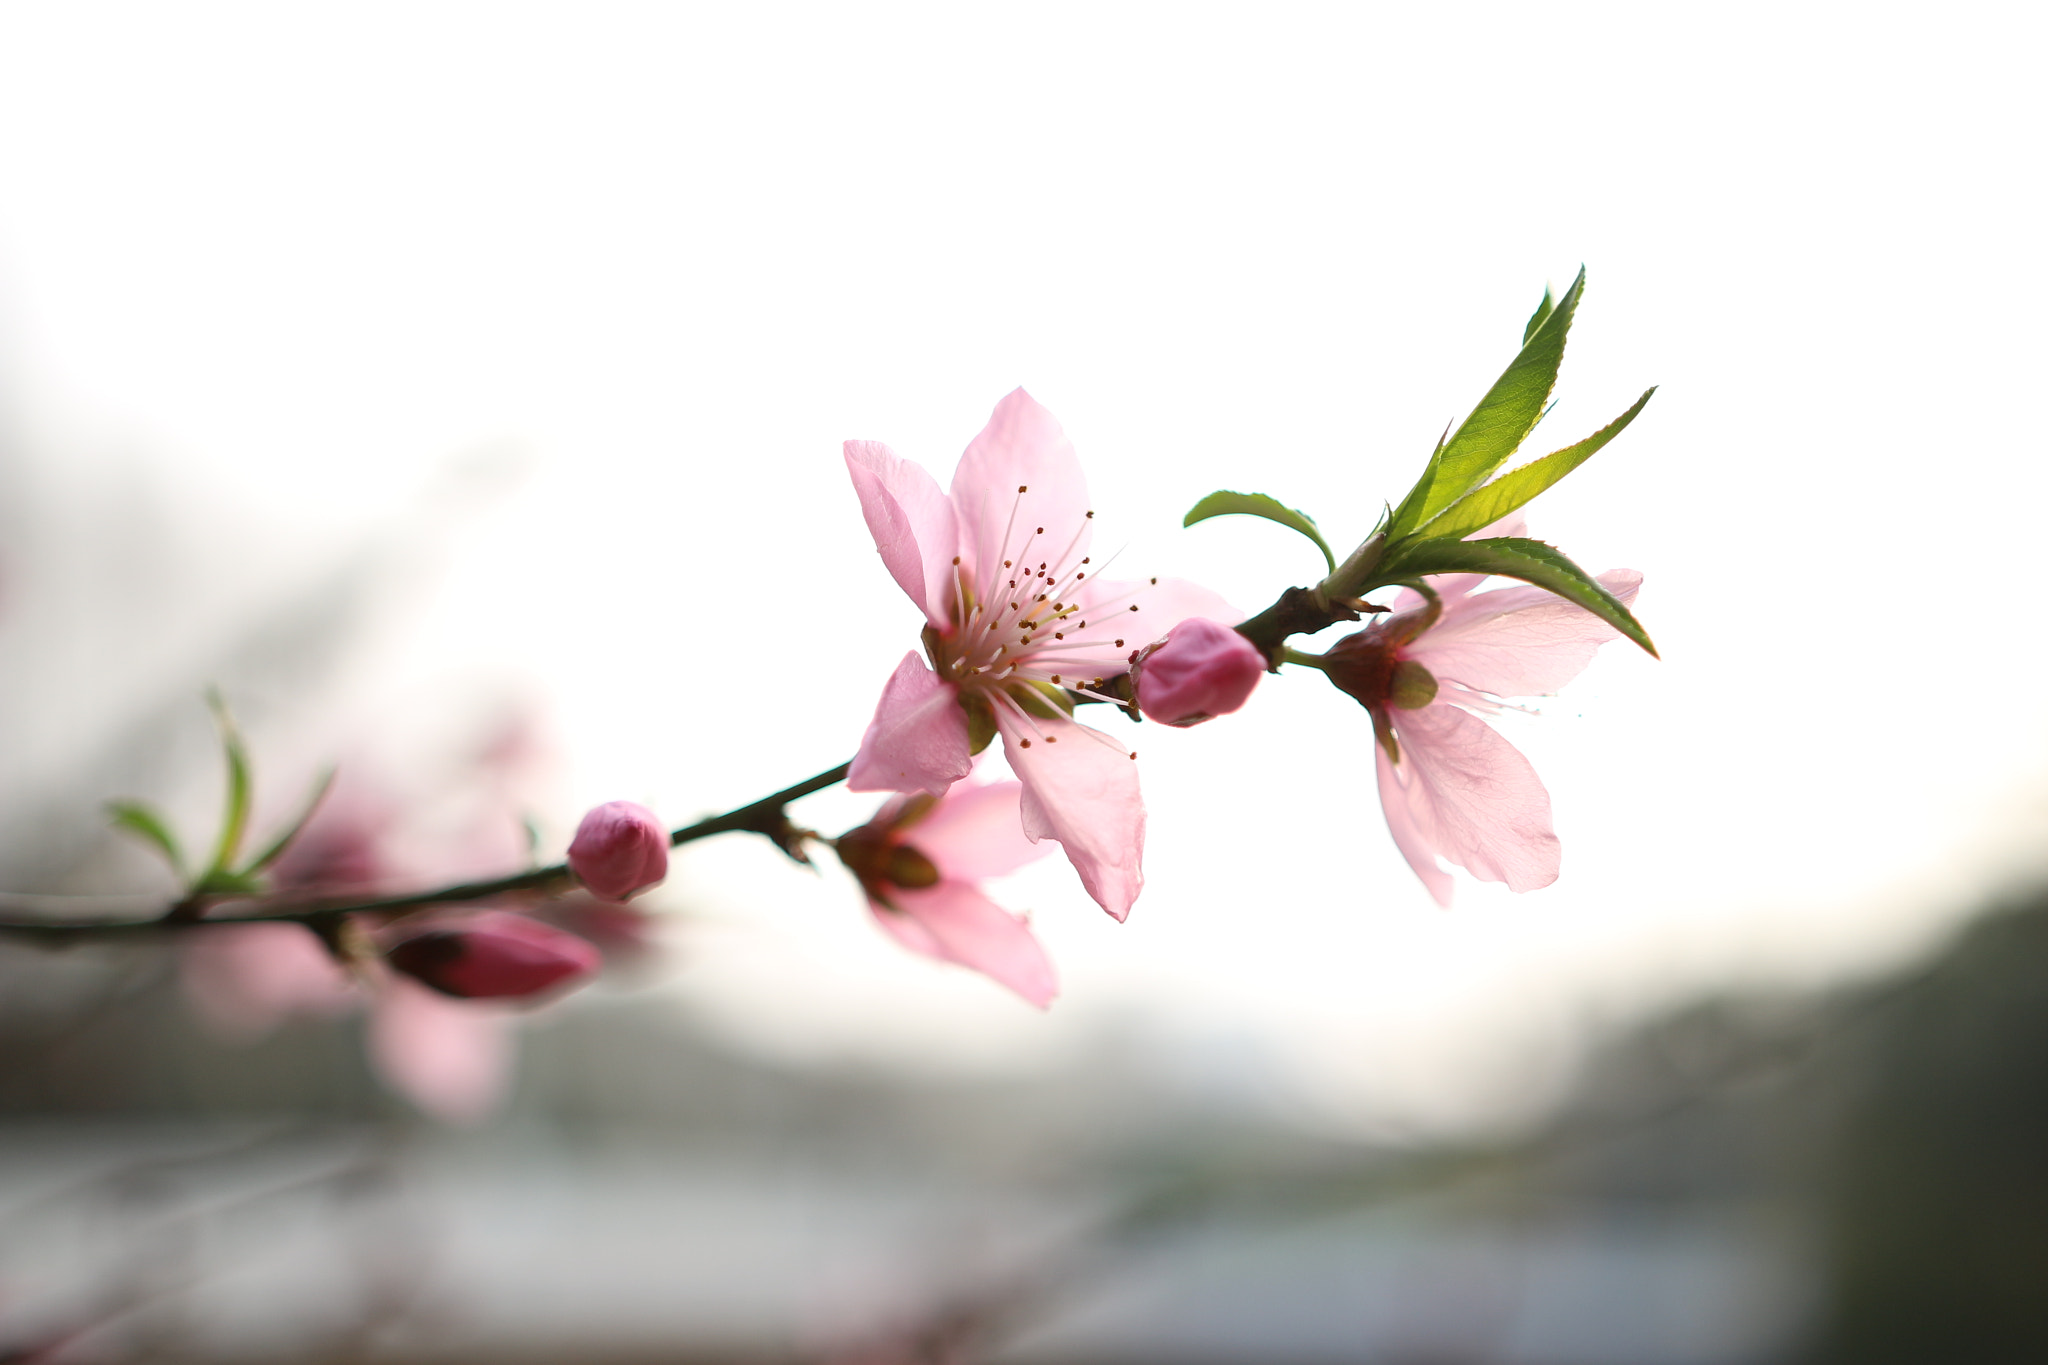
<point>460,389</point>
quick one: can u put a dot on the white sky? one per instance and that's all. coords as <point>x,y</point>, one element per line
<point>294,263</point>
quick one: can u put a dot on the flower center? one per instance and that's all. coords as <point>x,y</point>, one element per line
<point>1029,624</point>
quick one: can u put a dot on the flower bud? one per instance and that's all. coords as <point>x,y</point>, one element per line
<point>1199,671</point>
<point>620,848</point>
<point>493,956</point>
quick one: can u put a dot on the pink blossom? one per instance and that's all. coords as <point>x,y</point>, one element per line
<point>920,861</point>
<point>1201,670</point>
<point>619,849</point>
<point>1016,617</point>
<point>1451,786</point>
<point>492,955</point>
<point>451,1058</point>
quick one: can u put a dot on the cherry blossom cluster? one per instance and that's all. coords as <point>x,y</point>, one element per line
<point>1448,612</point>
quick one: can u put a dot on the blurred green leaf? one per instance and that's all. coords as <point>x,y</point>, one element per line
<point>1495,429</point>
<point>1484,506</point>
<point>284,840</point>
<point>235,820</point>
<point>143,822</point>
<point>1515,557</point>
<point>1225,503</point>
<point>220,882</point>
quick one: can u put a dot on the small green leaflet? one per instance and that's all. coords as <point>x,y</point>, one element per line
<point>1496,428</point>
<point>235,820</point>
<point>1515,557</point>
<point>1536,318</point>
<point>284,840</point>
<point>143,822</point>
<point>1224,503</point>
<point>1484,506</point>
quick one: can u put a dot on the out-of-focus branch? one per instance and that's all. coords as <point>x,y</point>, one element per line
<point>766,817</point>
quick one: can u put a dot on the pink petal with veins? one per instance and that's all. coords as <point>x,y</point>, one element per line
<point>1469,796</point>
<point>918,739</point>
<point>975,832</point>
<point>1396,798</point>
<point>1161,605</point>
<point>1084,793</point>
<point>1021,447</point>
<point>1518,642</point>
<point>954,922</point>
<point>912,523</point>
<point>453,1060</point>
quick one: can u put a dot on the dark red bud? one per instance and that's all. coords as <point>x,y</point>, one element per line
<point>494,956</point>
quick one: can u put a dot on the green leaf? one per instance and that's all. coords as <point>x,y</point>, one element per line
<point>1495,429</point>
<point>220,882</point>
<point>1515,557</point>
<point>1224,503</point>
<point>292,831</point>
<point>143,822</point>
<point>1536,318</point>
<point>1484,506</point>
<point>235,820</point>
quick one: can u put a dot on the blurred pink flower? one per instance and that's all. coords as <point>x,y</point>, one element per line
<point>619,849</point>
<point>451,1058</point>
<point>1451,786</point>
<point>919,861</point>
<point>1001,569</point>
<point>1201,670</point>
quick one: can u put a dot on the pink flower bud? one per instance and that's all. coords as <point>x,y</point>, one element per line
<point>620,848</point>
<point>1199,671</point>
<point>493,956</point>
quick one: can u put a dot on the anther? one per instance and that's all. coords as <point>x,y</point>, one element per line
<point>1119,644</point>
<point>1134,606</point>
<point>1085,558</point>
<point>1155,583</point>
<point>1021,488</point>
<point>1055,677</point>
<point>1052,739</point>
<point>1134,753</point>
<point>1091,515</point>
<point>956,561</point>
<point>1059,635</point>
<point>1025,743</point>
<point>1039,532</point>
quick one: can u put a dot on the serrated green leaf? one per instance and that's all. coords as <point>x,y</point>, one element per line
<point>235,819</point>
<point>1495,429</point>
<point>1536,318</point>
<point>1516,557</point>
<point>1484,506</point>
<point>292,831</point>
<point>1226,503</point>
<point>143,822</point>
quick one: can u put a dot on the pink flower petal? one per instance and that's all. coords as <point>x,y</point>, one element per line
<point>918,738</point>
<point>1398,799</point>
<point>1084,793</point>
<point>912,522</point>
<point>1518,642</point>
<point>1469,796</point>
<point>975,832</point>
<point>452,1059</point>
<point>246,979</point>
<point>1021,447</point>
<point>1161,605</point>
<point>954,922</point>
